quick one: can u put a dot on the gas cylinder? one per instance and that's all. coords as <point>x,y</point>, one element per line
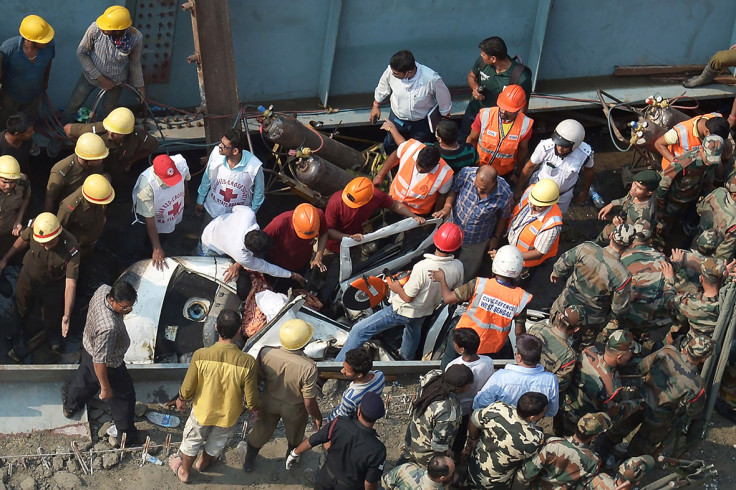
<point>660,111</point>
<point>645,132</point>
<point>290,133</point>
<point>320,175</point>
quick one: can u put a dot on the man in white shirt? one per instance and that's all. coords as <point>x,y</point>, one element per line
<point>414,91</point>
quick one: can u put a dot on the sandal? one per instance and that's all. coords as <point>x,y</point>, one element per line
<point>175,463</point>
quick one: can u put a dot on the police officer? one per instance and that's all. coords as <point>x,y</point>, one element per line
<point>83,212</point>
<point>68,174</point>
<point>47,279</point>
<point>15,194</point>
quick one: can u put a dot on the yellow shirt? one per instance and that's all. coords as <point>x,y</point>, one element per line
<point>216,381</point>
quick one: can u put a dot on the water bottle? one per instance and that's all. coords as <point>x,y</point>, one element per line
<point>83,115</point>
<point>596,198</point>
<point>154,460</point>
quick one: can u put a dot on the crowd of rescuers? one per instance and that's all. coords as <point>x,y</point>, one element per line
<point>470,425</point>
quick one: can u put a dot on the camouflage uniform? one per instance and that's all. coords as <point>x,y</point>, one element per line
<point>699,311</point>
<point>566,463</point>
<point>671,385</point>
<point>632,470</point>
<point>409,476</point>
<point>558,356</point>
<point>718,211</point>
<point>631,211</point>
<point>688,271</point>
<point>506,440</point>
<point>434,430</point>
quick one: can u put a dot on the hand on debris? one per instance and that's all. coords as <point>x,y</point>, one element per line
<point>317,262</point>
<point>159,259</point>
<point>603,213</point>
<point>419,220</point>
<point>64,326</point>
<point>357,237</point>
<point>291,459</point>
<point>198,209</point>
<point>442,213</point>
<point>232,273</point>
<point>437,276</point>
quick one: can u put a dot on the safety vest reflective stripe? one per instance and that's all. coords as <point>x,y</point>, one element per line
<point>687,141</point>
<point>422,196</point>
<point>497,151</point>
<point>550,219</point>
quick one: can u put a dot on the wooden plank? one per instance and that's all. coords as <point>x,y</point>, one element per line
<point>643,70</point>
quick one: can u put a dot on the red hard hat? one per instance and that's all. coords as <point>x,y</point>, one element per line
<point>448,237</point>
<point>512,99</point>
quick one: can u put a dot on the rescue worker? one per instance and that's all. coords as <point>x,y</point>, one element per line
<point>671,387</point>
<point>411,303</point>
<point>423,179</point>
<point>640,204</point>
<point>558,356</point>
<point>568,462</point>
<point>496,305</point>
<point>17,141</point>
<point>501,134</point>
<point>687,262</point>
<point>688,136</point>
<point>501,437</point>
<point>718,212</point>
<point>536,225</point>
<point>15,194</point>
<point>160,195</point>
<point>126,143</point>
<point>700,311</point>
<point>47,280</point>
<point>68,174</point>
<point>233,177</point>
<point>83,212</point>
<point>437,475</point>
<point>629,475</point>
<point>562,158</point>
<point>290,394</point>
<point>597,386</point>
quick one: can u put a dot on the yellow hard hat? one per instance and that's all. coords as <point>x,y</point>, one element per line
<point>9,168</point>
<point>34,28</point>
<point>545,193</point>
<point>115,18</point>
<point>306,221</point>
<point>97,190</point>
<point>295,334</point>
<point>90,147</point>
<point>46,227</point>
<point>120,120</point>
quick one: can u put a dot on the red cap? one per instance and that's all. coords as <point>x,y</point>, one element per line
<point>165,169</point>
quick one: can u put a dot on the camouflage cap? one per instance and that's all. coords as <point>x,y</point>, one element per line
<point>623,234</point>
<point>642,230</point>
<point>634,469</point>
<point>712,269</point>
<point>623,340</point>
<point>731,184</point>
<point>648,178</point>
<point>571,311</point>
<point>699,347</point>
<point>713,147</point>
<point>591,424</point>
<point>708,241</point>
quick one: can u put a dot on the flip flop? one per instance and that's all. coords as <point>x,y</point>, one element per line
<point>175,463</point>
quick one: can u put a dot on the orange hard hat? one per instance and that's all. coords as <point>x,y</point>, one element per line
<point>306,221</point>
<point>448,237</point>
<point>358,192</point>
<point>512,98</point>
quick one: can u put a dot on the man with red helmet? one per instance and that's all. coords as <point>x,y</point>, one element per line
<point>416,299</point>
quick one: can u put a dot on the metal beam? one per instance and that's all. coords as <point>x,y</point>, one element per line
<point>540,29</point>
<point>328,51</point>
<point>213,53</point>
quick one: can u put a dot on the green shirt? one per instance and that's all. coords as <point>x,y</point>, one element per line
<point>495,82</point>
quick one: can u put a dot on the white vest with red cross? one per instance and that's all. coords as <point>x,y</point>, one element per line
<point>229,187</point>
<point>168,201</point>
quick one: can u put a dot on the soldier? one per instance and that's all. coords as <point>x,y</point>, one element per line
<point>597,386</point>
<point>501,437</point>
<point>700,311</point>
<point>630,473</point>
<point>48,277</point>
<point>684,179</point>
<point>639,204</point>
<point>126,143</point>
<point>15,194</point>
<point>438,474</point>
<point>687,262</point>
<point>565,463</point>
<point>718,211</point>
<point>436,415</point>
<point>671,385</point>
<point>558,356</point>
<point>598,281</point>
<point>68,174</point>
<point>83,212</point>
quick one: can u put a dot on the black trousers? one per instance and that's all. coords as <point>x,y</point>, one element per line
<point>122,405</point>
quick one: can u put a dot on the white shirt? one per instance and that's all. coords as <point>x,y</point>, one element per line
<point>563,170</point>
<point>482,371</point>
<point>427,293</point>
<point>412,101</point>
<point>544,239</point>
<point>225,236</point>
<point>416,177</point>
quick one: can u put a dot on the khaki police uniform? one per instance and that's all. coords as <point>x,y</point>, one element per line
<point>66,176</point>
<point>84,220</point>
<point>9,204</point>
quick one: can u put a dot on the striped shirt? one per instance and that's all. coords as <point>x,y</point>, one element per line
<point>354,394</point>
<point>475,216</point>
<point>544,239</point>
<point>99,57</point>
<point>105,337</point>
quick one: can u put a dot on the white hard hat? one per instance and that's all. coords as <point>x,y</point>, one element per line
<point>508,262</point>
<point>569,133</point>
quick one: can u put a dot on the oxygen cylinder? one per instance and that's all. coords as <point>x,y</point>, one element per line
<point>645,132</point>
<point>660,111</point>
<point>321,176</point>
<point>290,133</point>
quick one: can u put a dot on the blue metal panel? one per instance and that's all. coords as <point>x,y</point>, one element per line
<point>328,52</point>
<point>540,30</point>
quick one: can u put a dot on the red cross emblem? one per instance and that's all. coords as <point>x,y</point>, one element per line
<point>227,194</point>
<point>174,209</point>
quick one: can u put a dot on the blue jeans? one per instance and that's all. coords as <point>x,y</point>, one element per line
<point>419,130</point>
<point>81,92</point>
<point>380,322</point>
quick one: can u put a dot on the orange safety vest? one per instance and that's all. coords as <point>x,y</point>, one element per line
<point>686,140</point>
<point>497,149</point>
<point>546,221</point>
<point>491,312</point>
<point>423,195</point>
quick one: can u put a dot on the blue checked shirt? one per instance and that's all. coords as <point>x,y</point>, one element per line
<point>475,216</point>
